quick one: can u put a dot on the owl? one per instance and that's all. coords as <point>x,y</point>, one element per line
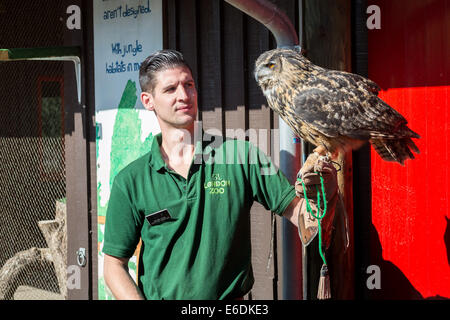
<point>334,110</point>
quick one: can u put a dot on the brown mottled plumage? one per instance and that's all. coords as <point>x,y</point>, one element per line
<point>334,109</point>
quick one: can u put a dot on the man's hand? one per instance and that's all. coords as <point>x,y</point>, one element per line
<point>310,174</point>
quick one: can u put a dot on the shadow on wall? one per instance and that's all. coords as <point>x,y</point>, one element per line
<point>447,239</point>
<point>394,284</point>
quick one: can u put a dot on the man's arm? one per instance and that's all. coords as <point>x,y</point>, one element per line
<point>118,279</point>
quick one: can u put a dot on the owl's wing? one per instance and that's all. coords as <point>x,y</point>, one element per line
<point>345,112</point>
<point>346,79</point>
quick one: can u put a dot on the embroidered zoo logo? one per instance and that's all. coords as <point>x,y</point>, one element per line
<point>216,185</point>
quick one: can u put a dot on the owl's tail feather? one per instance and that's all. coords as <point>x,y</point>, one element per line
<point>397,150</point>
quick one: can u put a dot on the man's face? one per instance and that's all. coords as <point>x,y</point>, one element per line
<point>174,98</point>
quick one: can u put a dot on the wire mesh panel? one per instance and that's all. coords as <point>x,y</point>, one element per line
<point>32,177</point>
<point>27,24</point>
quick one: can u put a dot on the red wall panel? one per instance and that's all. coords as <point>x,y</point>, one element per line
<point>409,58</point>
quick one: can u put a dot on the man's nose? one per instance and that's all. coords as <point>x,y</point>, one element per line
<point>182,94</point>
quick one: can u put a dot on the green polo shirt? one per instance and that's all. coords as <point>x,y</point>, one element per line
<point>203,250</point>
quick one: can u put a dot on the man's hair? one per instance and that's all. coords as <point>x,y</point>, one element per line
<point>159,61</point>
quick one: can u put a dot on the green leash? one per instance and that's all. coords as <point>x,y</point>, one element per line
<point>319,216</point>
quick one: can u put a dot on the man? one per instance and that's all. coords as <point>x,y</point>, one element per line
<point>189,201</point>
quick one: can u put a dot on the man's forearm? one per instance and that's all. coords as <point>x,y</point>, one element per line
<point>119,281</point>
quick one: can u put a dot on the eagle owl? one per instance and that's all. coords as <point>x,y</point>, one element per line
<point>335,110</point>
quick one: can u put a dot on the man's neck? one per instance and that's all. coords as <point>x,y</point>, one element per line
<point>177,149</point>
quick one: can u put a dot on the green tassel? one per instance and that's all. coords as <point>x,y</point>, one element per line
<point>324,290</point>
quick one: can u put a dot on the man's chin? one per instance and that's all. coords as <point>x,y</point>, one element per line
<point>186,123</point>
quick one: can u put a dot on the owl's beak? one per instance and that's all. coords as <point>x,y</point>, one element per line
<point>262,73</point>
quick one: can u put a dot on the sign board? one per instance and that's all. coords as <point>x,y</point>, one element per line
<point>125,33</point>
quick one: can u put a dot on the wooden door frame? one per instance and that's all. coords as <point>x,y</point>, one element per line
<point>80,158</point>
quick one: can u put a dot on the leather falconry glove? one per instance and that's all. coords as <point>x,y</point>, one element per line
<point>314,168</point>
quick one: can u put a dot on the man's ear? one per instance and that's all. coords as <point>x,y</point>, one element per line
<point>147,101</point>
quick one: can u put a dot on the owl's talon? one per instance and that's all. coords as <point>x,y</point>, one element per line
<point>325,158</point>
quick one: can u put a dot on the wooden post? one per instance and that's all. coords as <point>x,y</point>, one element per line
<point>328,44</point>
<point>78,131</point>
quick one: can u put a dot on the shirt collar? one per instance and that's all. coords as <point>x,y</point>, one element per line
<point>156,161</point>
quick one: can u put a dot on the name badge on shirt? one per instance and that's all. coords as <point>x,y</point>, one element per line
<point>158,217</point>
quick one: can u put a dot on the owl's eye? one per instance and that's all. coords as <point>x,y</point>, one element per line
<point>271,65</point>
